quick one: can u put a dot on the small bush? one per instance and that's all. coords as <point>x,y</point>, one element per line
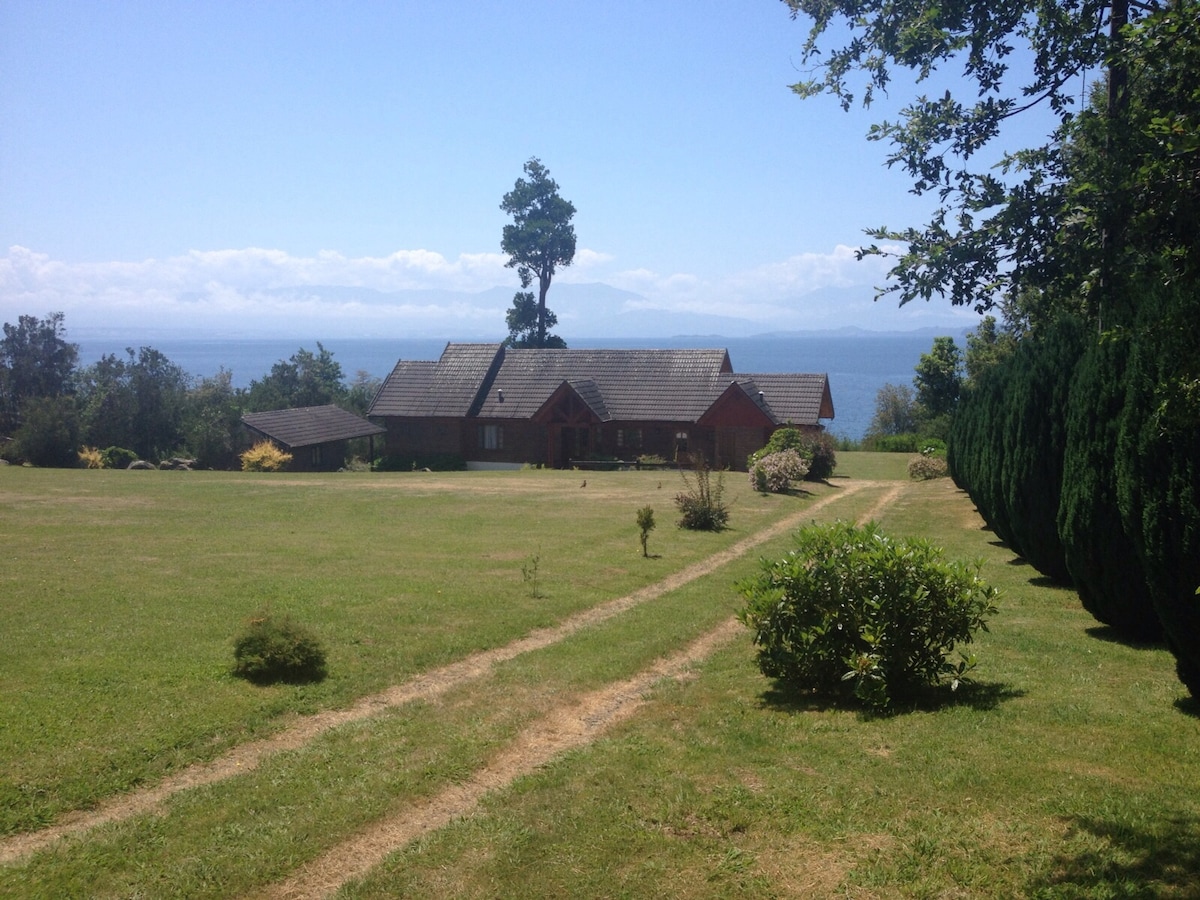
<point>118,457</point>
<point>851,607</point>
<point>775,472</point>
<point>923,468</point>
<point>272,650</point>
<point>817,449</point>
<point>701,504</point>
<point>645,521</point>
<point>264,457</point>
<point>91,458</point>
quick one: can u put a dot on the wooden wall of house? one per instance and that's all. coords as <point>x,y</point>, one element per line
<point>423,436</point>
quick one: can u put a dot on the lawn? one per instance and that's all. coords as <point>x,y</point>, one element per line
<point>1068,770</point>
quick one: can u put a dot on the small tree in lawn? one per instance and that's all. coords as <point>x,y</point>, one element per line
<point>645,521</point>
<point>540,238</point>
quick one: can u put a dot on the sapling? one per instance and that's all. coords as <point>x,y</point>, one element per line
<point>645,521</point>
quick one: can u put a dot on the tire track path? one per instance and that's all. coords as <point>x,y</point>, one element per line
<point>426,686</point>
<point>567,727</point>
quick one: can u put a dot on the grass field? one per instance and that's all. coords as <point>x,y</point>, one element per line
<point>1070,769</point>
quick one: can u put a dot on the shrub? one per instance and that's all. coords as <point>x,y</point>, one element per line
<point>274,649</point>
<point>645,521</point>
<point>118,457</point>
<point>775,472</point>
<point>895,443</point>
<point>851,607</point>
<point>817,449</point>
<point>927,466</point>
<point>701,505</point>
<point>264,457</point>
<point>91,458</point>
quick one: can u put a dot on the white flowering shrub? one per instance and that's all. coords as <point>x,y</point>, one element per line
<point>775,472</point>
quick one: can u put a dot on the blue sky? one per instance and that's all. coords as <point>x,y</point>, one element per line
<point>213,167</point>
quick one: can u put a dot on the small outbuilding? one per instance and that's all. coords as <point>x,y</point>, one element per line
<point>318,437</point>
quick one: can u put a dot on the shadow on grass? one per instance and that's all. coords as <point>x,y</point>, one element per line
<point>977,695</point>
<point>1189,706</point>
<point>1160,858</point>
<point>1110,635</point>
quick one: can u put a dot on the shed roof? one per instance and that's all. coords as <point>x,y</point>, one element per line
<point>307,426</point>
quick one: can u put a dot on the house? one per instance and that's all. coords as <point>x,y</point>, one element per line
<point>316,436</point>
<point>498,407</point>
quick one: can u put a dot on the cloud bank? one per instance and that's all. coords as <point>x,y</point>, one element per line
<point>255,291</point>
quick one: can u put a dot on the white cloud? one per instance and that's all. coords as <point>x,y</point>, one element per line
<point>261,290</point>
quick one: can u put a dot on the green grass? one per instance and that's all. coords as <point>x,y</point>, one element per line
<point>1068,770</point>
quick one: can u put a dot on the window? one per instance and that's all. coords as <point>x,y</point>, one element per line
<point>316,455</point>
<point>629,437</point>
<point>681,438</point>
<point>491,437</point>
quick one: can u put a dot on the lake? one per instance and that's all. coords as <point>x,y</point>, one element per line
<point>858,364</point>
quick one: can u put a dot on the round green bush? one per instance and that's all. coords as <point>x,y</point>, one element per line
<point>851,608</point>
<point>274,649</point>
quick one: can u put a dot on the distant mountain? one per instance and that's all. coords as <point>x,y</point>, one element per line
<point>585,311</point>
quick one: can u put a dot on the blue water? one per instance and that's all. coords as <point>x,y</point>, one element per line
<point>858,364</point>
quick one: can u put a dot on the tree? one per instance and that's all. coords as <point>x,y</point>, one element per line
<point>307,379</point>
<point>35,361</point>
<point>540,238</point>
<point>136,403</point>
<point>986,346</point>
<point>939,378</point>
<point>993,235</point>
<point>210,421</point>
<point>523,324</point>
<point>895,412</point>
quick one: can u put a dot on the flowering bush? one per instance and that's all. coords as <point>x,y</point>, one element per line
<point>924,467</point>
<point>264,457</point>
<point>91,458</point>
<point>775,472</point>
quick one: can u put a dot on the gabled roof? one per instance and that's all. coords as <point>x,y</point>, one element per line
<point>800,399</point>
<point>310,425</point>
<point>632,385</point>
<point>449,387</point>
<point>675,385</point>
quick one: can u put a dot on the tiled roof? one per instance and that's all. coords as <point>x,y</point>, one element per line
<point>675,385</point>
<point>310,425</point>
<point>633,385</point>
<point>800,399</point>
<point>448,387</point>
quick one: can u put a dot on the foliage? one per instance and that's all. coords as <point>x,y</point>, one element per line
<point>909,442</point>
<point>306,379</point>
<point>49,432</point>
<point>938,381</point>
<point>989,234</point>
<point>1100,555</point>
<point>117,457</point>
<point>645,523</point>
<point>851,606</point>
<point>264,457</point>
<point>530,574</point>
<point>540,238</point>
<point>924,467</point>
<point>987,344</point>
<point>818,449</point>
<point>434,462</point>
<point>211,415</point>
<point>272,649</point>
<point>775,472</point>
<point>895,412</point>
<point>36,361</point>
<point>136,402</point>
<point>701,504</point>
<point>91,458</point>
<point>524,323</point>
<point>1158,477</point>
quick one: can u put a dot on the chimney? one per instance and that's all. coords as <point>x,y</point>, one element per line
<point>499,395</point>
